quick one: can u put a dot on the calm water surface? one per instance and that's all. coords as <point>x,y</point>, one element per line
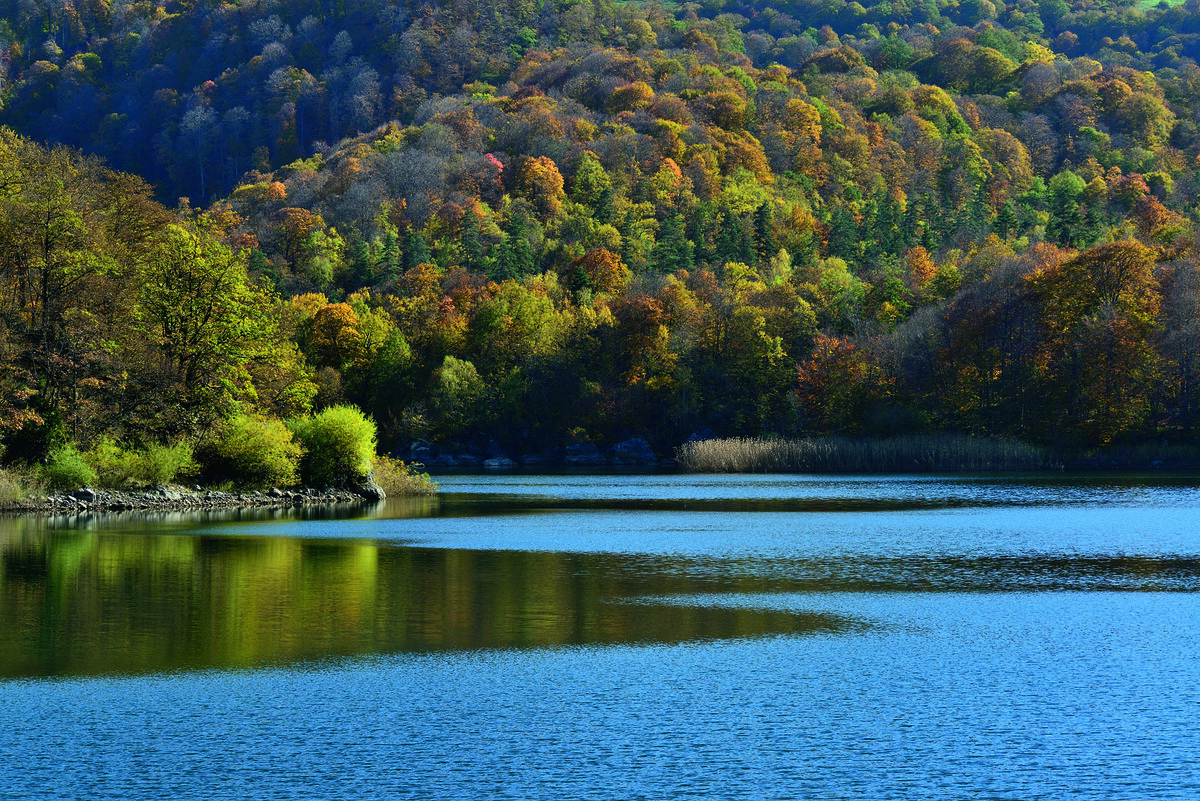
<point>616,637</point>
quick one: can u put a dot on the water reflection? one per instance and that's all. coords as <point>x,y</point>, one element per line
<point>95,602</point>
<point>159,591</point>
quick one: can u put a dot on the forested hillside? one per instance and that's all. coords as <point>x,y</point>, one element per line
<point>555,222</point>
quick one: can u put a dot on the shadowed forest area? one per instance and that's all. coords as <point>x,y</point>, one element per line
<point>539,223</point>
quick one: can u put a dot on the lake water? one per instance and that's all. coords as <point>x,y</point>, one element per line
<point>616,637</point>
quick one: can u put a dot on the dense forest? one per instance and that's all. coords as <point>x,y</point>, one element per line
<point>553,221</point>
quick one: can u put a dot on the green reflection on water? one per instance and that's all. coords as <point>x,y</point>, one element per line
<point>102,594</point>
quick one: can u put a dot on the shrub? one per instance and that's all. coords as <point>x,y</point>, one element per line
<point>339,443</point>
<point>157,464</point>
<point>114,465</point>
<point>253,451</point>
<point>161,464</point>
<point>67,469</point>
<point>397,478</point>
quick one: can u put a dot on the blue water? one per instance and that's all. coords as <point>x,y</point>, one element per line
<point>1007,639</point>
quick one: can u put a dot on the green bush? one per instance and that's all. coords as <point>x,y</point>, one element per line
<point>67,469</point>
<point>339,444</point>
<point>157,464</point>
<point>162,464</point>
<point>252,451</point>
<point>113,464</point>
<point>398,478</point>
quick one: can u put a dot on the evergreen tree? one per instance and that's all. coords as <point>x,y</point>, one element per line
<point>468,242</point>
<point>765,244</point>
<point>1006,220</point>
<point>362,265</point>
<point>389,260</point>
<point>733,243</point>
<point>843,235</point>
<point>672,251</point>
<point>1066,220</point>
<point>415,250</point>
<point>603,209</point>
<point>516,255</point>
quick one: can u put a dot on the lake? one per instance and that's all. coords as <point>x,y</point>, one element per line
<point>616,637</point>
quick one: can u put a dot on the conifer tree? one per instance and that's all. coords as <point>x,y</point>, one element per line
<point>415,250</point>
<point>389,259</point>
<point>672,251</point>
<point>468,242</point>
<point>765,245</point>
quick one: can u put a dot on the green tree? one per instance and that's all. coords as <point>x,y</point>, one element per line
<point>210,324</point>
<point>672,251</point>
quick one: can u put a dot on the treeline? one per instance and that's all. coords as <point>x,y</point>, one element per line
<point>190,95</point>
<point>644,220</point>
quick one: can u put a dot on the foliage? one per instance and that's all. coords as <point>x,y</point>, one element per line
<point>252,451</point>
<point>339,445</point>
<point>162,464</point>
<point>19,485</point>
<point>397,478</point>
<point>623,218</point>
<point>153,465</point>
<point>66,468</point>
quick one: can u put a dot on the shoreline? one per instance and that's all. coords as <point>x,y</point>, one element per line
<point>177,498</point>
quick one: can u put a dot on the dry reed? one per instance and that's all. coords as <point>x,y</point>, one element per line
<point>912,453</point>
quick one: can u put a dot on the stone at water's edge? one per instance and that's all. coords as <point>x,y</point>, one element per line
<point>499,463</point>
<point>370,490</point>
<point>583,454</point>
<point>634,451</point>
<point>177,498</point>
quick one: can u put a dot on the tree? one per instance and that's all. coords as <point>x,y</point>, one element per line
<point>539,180</point>
<point>1099,309</point>
<point>600,271</point>
<point>1066,220</point>
<point>672,251</point>
<point>416,252</point>
<point>516,256</point>
<point>209,325</point>
<point>468,241</point>
<point>197,127</point>
<point>765,245</point>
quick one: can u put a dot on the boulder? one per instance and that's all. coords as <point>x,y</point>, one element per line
<point>553,456</point>
<point>85,494</point>
<point>370,490</point>
<point>420,452</point>
<point>634,451</point>
<point>583,454</point>
<point>499,463</point>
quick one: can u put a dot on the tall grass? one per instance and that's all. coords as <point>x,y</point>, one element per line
<point>913,453</point>
<point>18,485</point>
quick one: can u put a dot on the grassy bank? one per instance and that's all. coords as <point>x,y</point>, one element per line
<point>915,453</point>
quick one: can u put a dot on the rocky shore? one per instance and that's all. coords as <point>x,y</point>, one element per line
<point>182,498</point>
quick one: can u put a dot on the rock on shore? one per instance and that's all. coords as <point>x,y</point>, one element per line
<point>176,497</point>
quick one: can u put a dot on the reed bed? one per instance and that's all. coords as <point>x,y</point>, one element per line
<point>912,453</point>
